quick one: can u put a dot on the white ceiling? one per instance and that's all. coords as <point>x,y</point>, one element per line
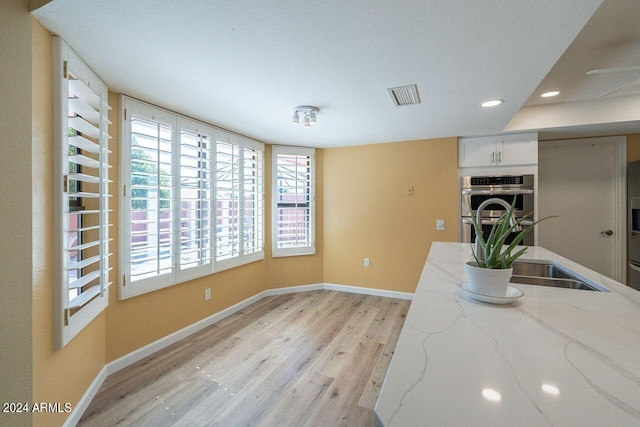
<point>243,65</point>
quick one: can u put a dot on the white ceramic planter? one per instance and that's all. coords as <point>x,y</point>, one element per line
<point>488,281</point>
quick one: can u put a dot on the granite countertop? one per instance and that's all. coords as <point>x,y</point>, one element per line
<point>554,357</point>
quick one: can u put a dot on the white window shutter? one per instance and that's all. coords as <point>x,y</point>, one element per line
<point>196,204</point>
<point>81,194</point>
<point>253,200</point>
<point>228,164</point>
<point>148,206</point>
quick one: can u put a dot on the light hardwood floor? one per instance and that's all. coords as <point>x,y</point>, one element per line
<point>304,359</point>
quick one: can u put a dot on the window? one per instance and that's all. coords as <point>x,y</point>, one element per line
<point>193,199</point>
<point>239,200</point>
<point>227,199</point>
<point>253,199</point>
<point>150,219</point>
<point>196,189</point>
<point>81,194</point>
<point>293,201</point>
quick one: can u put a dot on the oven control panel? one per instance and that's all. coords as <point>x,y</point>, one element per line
<point>497,180</point>
<point>504,181</point>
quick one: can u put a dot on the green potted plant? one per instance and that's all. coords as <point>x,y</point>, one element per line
<point>489,274</point>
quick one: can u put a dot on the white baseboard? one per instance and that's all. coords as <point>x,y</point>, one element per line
<point>368,291</point>
<point>293,289</point>
<point>86,399</point>
<point>149,349</point>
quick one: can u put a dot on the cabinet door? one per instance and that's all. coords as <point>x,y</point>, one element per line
<point>521,149</point>
<point>476,151</point>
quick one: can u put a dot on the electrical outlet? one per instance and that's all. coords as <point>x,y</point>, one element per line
<point>366,262</point>
<point>440,224</point>
<point>207,294</point>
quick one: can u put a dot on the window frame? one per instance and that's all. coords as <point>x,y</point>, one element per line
<point>309,249</point>
<point>180,124</point>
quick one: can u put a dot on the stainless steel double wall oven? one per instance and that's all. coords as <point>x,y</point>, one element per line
<point>477,189</point>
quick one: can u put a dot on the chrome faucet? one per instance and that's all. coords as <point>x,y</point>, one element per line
<point>512,221</point>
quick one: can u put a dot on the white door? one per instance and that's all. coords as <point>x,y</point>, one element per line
<point>583,181</point>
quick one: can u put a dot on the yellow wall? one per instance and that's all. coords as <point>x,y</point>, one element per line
<point>367,214</point>
<point>633,147</point>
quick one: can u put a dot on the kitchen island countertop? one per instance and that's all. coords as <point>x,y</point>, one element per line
<point>554,357</point>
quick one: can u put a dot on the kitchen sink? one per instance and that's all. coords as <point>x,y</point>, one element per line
<point>549,274</point>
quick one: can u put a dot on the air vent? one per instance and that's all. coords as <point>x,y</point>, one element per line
<point>404,95</point>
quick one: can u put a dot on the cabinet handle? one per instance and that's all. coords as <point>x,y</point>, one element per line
<point>499,156</point>
<point>493,156</point>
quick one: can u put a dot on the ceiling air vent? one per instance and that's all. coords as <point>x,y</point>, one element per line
<point>404,95</point>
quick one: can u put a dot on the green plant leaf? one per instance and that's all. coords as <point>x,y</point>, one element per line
<point>492,247</point>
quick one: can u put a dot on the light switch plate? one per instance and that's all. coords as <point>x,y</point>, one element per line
<point>440,224</point>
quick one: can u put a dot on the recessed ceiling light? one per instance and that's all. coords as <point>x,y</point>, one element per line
<point>491,395</point>
<point>550,389</point>
<point>492,102</point>
<point>550,94</point>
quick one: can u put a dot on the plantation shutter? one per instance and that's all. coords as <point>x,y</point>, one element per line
<point>150,197</point>
<point>253,198</point>
<point>294,201</point>
<point>227,198</point>
<point>81,193</point>
<point>196,182</point>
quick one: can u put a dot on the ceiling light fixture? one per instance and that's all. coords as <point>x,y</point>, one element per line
<point>308,114</point>
<point>550,94</point>
<point>492,102</point>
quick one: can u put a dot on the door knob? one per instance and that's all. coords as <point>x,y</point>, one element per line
<point>607,232</point>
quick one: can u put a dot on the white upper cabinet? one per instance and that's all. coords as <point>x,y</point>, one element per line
<point>501,150</point>
<point>477,151</point>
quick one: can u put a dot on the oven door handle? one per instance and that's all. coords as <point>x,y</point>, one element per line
<point>491,221</point>
<point>466,192</point>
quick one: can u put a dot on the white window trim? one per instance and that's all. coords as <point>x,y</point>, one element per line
<point>68,320</point>
<point>301,250</point>
<point>127,288</point>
